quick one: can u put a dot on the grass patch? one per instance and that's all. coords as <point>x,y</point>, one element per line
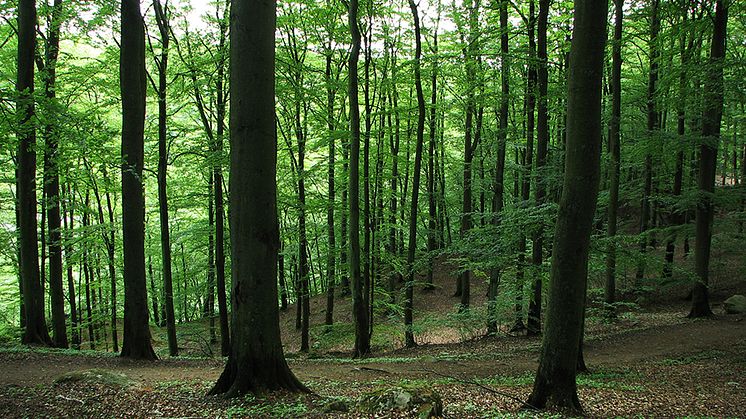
<point>701,356</point>
<point>95,376</point>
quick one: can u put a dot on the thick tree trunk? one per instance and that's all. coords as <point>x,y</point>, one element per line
<point>555,384</point>
<point>256,361</point>
<point>711,120</point>
<point>136,336</point>
<point>35,332</point>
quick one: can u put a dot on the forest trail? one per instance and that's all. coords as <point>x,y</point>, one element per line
<point>481,358</point>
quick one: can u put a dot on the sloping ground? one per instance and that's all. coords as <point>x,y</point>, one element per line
<point>664,365</point>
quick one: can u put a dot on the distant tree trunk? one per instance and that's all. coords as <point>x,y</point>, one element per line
<point>154,293</point>
<point>69,265</point>
<point>432,220</point>
<point>711,120</point>
<point>283,282</point>
<point>499,179</point>
<point>136,336</point>
<point>35,332</point>
<point>210,303</point>
<point>87,275</point>
<point>331,258</point>
<point>52,180</point>
<point>359,308</point>
<point>614,151</point>
<point>394,142</point>
<point>256,362</point>
<point>653,128</point>
<point>555,384</point>
<point>542,143</point>
<point>303,266</point>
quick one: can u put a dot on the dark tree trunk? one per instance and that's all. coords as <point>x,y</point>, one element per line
<point>409,341</point>
<point>154,294</point>
<point>52,180</point>
<point>75,335</point>
<point>303,266</point>
<point>499,179</point>
<point>542,143</point>
<point>614,151</point>
<point>35,332</point>
<point>136,336</point>
<point>162,65</point>
<point>555,384</point>
<point>359,308</point>
<point>432,220</point>
<point>283,282</point>
<point>653,128</point>
<point>711,120</point>
<point>332,252</point>
<point>210,303</point>
<point>256,361</point>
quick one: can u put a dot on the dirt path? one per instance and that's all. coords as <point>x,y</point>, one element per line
<point>507,356</point>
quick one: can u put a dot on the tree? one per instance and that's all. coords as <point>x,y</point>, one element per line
<point>136,337</point>
<point>614,150</point>
<point>409,333</point>
<point>359,308</point>
<point>555,384</point>
<point>256,361</point>
<point>708,149</point>
<point>51,177</point>
<point>161,17</point>
<point>35,331</point>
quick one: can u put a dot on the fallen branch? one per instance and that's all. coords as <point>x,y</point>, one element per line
<point>483,387</point>
<point>371,369</point>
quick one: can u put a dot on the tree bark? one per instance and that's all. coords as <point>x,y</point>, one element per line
<point>711,120</point>
<point>136,336</point>
<point>256,361</point>
<point>614,151</point>
<point>555,384</point>
<point>35,332</point>
<point>359,308</point>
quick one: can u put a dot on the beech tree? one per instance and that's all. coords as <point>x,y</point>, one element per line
<point>136,337</point>
<point>555,384</point>
<point>256,361</point>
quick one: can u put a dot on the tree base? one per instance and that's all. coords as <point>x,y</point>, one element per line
<point>256,377</point>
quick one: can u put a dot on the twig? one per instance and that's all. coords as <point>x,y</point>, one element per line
<point>371,369</point>
<point>59,396</point>
<point>483,387</point>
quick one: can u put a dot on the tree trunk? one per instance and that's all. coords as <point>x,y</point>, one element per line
<point>359,308</point>
<point>36,332</point>
<point>614,150</point>
<point>256,361</point>
<point>136,336</point>
<point>542,143</point>
<point>555,384</point>
<point>499,180</point>
<point>711,120</point>
<point>653,128</point>
<point>332,245</point>
<point>75,334</point>
<point>52,180</point>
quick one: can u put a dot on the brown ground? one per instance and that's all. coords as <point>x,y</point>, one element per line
<point>662,365</point>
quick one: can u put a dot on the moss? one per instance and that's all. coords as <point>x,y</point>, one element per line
<point>95,376</point>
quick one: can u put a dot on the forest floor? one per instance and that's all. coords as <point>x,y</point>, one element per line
<point>660,364</point>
